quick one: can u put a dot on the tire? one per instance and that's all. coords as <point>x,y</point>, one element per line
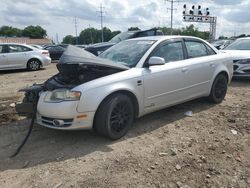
<point>33,65</point>
<point>114,116</point>
<point>219,89</point>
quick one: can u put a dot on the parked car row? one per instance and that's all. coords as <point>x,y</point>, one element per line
<point>240,53</point>
<point>221,44</point>
<point>98,48</point>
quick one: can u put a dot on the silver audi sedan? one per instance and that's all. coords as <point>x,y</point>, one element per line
<point>130,79</point>
<point>22,56</point>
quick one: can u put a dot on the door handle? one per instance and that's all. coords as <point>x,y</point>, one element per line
<point>184,69</point>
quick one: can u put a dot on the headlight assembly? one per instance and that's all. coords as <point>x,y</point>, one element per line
<point>62,95</point>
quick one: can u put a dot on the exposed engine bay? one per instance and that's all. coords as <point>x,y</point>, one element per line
<point>75,67</point>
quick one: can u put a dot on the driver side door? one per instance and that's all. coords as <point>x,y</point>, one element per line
<point>164,85</point>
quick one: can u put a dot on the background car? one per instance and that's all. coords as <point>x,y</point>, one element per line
<point>131,79</point>
<point>221,44</point>
<point>21,56</point>
<point>55,51</point>
<point>240,52</point>
<point>98,48</point>
<point>37,46</point>
<point>81,46</point>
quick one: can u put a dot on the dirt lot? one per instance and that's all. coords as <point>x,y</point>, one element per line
<point>163,149</point>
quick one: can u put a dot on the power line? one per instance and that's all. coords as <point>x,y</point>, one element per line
<point>101,16</point>
<point>172,9</point>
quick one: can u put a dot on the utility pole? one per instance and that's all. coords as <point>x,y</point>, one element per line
<point>171,10</point>
<point>101,15</point>
<point>76,30</point>
<point>57,41</point>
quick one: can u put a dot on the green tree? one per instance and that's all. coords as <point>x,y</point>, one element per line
<point>34,32</point>
<point>133,28</point>
<point>69,39</point>
<point>222,37</point>
<point>88,36</point>
<point>8,31</point>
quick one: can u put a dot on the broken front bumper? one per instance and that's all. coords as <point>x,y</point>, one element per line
<point>62,115</point>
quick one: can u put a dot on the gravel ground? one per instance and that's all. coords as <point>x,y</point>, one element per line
<point>162,149</point>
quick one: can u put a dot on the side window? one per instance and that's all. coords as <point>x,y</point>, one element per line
<point>25,49</point>
<point>17,48</point>
<point>4,49</point>
<point>196,49</point>
<point>170,52</point>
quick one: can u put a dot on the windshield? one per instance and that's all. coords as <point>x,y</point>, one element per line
<point>242,44</point>
<point>127,52</point>
<point>121,36</point>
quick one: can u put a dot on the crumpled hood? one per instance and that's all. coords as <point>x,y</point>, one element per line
<point>237,54</point>
<point>77,56</point>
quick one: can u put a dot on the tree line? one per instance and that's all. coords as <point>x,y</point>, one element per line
<point>93,35</point>
<point>35,32</point>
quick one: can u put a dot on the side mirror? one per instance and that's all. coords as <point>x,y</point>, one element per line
<point>156,61</point>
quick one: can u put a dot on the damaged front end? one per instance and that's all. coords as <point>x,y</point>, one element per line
<point>28,105</point>
<point>75,67</point>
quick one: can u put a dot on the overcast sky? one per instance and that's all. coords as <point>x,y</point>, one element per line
<point>57,16</point>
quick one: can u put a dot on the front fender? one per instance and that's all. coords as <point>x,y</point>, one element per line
<point>91,99</point>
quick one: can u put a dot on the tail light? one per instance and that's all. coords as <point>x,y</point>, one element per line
<point>46,53</point>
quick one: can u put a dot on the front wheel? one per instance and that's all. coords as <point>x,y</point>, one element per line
<point>33,65</point>
<point>219,89</point>
<point>115,116</point>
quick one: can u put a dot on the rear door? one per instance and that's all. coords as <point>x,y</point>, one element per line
<point>200,66</point>
<point>18,56</point>
<point>3,57</point>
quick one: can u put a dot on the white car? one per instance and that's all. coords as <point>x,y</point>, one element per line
<point>130,79</point>
<point>22,56</point>
<point>240,52</point>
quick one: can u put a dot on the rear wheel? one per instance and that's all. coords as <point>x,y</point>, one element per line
<point>219,89</point>
<point>33,64</point>
<point>114,116</point>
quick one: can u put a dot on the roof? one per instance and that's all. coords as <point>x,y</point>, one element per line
<point>163,37</point>
<point>243,38</point>
<point>24,40</point>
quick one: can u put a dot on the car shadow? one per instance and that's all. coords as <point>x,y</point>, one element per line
<point>47,145</point>
<point>240,82</point>
<point>17,71</point>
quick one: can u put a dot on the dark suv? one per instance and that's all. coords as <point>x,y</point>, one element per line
<point>98,48</point>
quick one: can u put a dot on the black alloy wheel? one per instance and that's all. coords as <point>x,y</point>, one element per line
<point>219,89</point>
<point>114,116</point>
